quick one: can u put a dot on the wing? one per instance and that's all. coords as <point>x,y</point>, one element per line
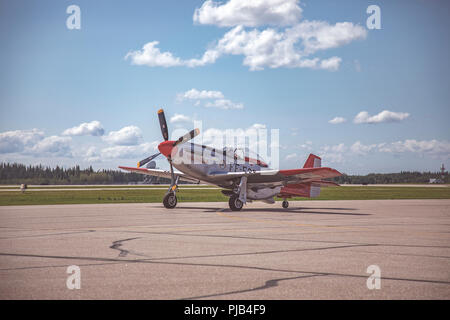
<point>160,173</point>
<point>277,177</point>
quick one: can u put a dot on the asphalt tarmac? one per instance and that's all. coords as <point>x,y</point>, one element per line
<point>312,250</point>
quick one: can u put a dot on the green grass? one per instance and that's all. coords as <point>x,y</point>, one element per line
<point>103,196</point>
<point>186,195</point>
<point>380,193</point>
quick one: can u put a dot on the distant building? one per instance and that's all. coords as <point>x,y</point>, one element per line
<point>441,179</point>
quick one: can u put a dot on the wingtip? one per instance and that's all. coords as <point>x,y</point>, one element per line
<point>160,110</point>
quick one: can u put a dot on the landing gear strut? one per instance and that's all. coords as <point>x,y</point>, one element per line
<point>170,199</point>
<point>285,204</point>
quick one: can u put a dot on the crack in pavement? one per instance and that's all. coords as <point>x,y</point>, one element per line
<point>117,244</point>
<point>268,284</point>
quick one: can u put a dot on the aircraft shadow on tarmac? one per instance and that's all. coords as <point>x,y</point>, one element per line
<point>281,210</point>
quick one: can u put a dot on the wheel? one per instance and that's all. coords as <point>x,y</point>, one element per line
<point>285,204</point>
<point>170,200</point>
<point>235,203</point>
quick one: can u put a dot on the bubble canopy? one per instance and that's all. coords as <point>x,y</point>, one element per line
<point>246,155</point>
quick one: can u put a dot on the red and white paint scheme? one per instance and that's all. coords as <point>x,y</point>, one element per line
<point>243,177</point>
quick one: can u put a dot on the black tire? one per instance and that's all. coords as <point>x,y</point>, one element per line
<point>235,204</point>
<point>285,204</point>
<point>170,200</point>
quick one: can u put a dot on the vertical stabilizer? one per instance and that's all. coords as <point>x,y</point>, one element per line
<point>313,161</point>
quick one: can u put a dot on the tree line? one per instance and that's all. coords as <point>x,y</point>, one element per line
<point>387,178</point>
<point>16,173</point>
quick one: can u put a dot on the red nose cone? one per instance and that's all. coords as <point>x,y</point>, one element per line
<point>166,147</point>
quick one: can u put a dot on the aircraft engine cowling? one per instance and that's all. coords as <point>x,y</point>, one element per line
<point>263,193</point>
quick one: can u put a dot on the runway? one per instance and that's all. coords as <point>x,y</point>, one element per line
<point>313,250</point>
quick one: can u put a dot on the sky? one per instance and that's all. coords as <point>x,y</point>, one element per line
<point>364,99</point>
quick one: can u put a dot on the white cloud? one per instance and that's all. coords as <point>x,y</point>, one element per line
<point>339,148</point>
<point>320,35</point>
<point>430,147</point>
<point>337,120</point>
<point>383,116</point>
<point>224,104</point>
<point>362,149</point>
<point>334,153</point>
<point>331,64</point>
<point>195,94</point>
<point>177,118</point>
<point>423,147</point>
<point>18,140</point>
<point>34,143</point>
<point>291,156</point>
<point>93,128</point>
<point>92,155</point>
<point>127,136</point>
<point>248,13</point>
<point>332,157</point>
<point>150,55</point>
<point>214,99</point>
<point>290,47</point>
<point>129,152</point>
<point>54,145</point>
<point>307,145</point>
<point>340,153</point>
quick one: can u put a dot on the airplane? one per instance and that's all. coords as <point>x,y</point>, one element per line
<point>244,177</point>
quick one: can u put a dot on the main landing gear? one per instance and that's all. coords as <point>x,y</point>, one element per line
<point>234,203</point>
<point>285,204</point>
<point>239,196</point>
<point>170,200</point>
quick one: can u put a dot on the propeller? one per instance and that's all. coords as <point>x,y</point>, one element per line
<point>148,159</point>
<point>165,133</point>
<point>188,136</point>
<point>163,124</point>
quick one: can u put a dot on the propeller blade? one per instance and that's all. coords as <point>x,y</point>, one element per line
<point>163,124</point>
<point>142,162</point>
<point>188,136</point>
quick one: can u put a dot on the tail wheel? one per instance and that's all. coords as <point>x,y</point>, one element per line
<point>170,200</point>
<point>285,204</point>
<point>235,203</point>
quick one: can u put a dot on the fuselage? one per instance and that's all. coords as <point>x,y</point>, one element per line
<point>203,162</point>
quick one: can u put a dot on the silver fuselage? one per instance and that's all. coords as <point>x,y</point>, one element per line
<point>203,162</point>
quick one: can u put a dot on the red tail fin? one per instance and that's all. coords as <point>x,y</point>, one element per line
<point>313,161</point>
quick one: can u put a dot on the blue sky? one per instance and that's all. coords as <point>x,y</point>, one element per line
<point>54,79</point>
